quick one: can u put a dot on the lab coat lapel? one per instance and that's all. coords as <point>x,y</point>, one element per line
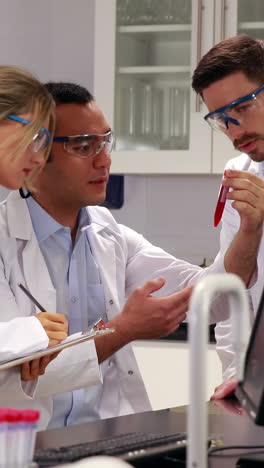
<point>37,278</point>
<point>104,253</point>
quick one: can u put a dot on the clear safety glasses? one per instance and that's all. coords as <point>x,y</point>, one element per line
<point>88,145</point>
<point>40,140</point>
<point>237,112</point>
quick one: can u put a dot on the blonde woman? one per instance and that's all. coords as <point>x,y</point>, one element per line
<point>26,129</point>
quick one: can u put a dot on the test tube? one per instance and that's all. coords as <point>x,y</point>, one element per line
<point>30,419</point>
<point>3,436</point>
<point>17,437</point>
<point>13,418</point>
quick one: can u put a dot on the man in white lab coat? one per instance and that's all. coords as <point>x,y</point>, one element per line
<point>230,80</point>
<point>74,257</point>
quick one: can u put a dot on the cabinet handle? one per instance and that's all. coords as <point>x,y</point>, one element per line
<point>219,20</point>
<point>199,49</point>
<point>223,13</point>
<point>197,7</point>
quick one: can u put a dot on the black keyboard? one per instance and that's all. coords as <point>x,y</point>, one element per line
<point>131,447</point>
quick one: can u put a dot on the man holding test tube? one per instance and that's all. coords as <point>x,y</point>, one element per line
<point>230,80</point>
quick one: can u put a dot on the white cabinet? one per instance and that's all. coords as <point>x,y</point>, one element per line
<point>142,81</point>
<point>144,55</point>
<point>164,366</point>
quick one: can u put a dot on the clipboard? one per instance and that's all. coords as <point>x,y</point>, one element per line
<point>71,340</point>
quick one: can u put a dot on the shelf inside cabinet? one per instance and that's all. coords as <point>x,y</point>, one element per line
<point>159,31</point>
<point>154,28</point>
<point>148,70</point>
<point>252,28</point>
<point>251,25</point>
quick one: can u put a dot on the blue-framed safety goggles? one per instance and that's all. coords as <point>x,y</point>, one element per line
<point>40,140</point>
<point>87,145</point>
<point>219,119</point>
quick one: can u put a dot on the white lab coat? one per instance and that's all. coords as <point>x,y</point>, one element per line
<point>21,335</point>
<point>21,261</point>
<point>18,336</point>
<point>126,260</point>
<point>230,226</point>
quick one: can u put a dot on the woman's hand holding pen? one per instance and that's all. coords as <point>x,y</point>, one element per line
<point>55,325</point>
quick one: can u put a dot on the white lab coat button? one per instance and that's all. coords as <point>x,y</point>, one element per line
<point>130,372</point>
<point>111,302</point>
<point>74,299</point>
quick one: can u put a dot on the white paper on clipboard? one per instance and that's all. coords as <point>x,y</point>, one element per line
<point>71,340</point>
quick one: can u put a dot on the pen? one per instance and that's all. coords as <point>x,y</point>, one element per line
<point>40,307</point>
<point>220,204</point>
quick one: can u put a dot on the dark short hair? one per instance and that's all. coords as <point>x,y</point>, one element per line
<point>68,93</point>
<point>236,54</point>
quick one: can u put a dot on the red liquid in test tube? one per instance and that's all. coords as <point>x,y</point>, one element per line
<point>220,205</point>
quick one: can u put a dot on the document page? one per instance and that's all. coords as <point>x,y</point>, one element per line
<point>71,340</point>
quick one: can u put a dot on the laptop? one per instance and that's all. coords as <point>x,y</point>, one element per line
<point>250,391</point>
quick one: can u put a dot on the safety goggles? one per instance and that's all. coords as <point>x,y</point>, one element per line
<point>237,112</point>
<point>86,146</point>
<point>40,140</point>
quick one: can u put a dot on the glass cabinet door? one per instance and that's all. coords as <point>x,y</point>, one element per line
<point>145,52</point>
<point>242,17</point>
<point>250,17</point>
<point>153,64</point>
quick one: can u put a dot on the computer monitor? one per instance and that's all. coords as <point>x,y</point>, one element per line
<point>250,391</point>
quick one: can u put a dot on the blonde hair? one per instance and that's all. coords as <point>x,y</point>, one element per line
<point>22,92</point>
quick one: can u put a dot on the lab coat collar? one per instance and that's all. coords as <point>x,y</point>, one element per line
<point>20,227</point>
<point>252,166</point>
<point>19,221</point>
<point>18,217</point>
<point>98,219</point>
<point>45,225</point>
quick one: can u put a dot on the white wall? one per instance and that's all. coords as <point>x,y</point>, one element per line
<point>51,38</point>
<point>165,369</point>
<point>174,212</point>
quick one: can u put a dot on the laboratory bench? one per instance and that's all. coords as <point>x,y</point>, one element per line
<point>227,422</point>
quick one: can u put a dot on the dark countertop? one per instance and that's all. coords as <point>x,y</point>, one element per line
<point>227,420</point>
<point>181,334</point>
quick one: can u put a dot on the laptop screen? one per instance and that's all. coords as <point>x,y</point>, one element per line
<point>250,391</point>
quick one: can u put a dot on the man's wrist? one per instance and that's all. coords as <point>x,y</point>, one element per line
<point>122,329</point>
<point>254,231</point>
